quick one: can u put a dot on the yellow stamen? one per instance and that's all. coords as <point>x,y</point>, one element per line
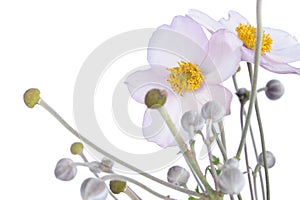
<point>247,33</point>
<point>186,77</point>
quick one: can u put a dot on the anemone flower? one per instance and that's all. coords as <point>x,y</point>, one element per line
<point>279,48</point>
<point>190,68</point>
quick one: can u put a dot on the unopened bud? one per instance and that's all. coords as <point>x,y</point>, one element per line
<point>270,158</point>
<point>274,89</point>
<point>65,169</point>
<point>76,148</point>
<point>231,163</point>
<point>231,181</point>
<point>117,186</point>
<point>178,175</point>
<point>243,95</point>
<point>106,165</point>
<point>31,97</point>
<point>95,167</point>
<point>192,121</point>
<point>155,98</point>
<point>93,189</point>
<point>213,110</point>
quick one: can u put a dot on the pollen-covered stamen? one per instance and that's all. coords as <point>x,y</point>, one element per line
<point>247,33</point>
<point>186,77</point>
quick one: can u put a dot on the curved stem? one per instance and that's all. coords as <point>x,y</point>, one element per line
<point>188,155</point>
<point>98,149</point>
<point>246,154</point>
<point>255,77</point>
<point>125,178</point>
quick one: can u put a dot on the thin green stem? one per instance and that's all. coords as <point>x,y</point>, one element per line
<point>128,179</point>
<point>222,131</point>
<point>220,144</point>
<point>98,149</point>
<point>246,154</point>
<point>188,155</point>
<point>255,77</point>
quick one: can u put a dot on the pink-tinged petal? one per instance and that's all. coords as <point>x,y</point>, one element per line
<point>234,19</point>
<point>270,62</point>
<point>205,20</point>
<point>224,56</point>
<point>218,93</point>
<point>140,82</point>
<point>154,127</point>
<point>284,45</point>
<point>183,40</point>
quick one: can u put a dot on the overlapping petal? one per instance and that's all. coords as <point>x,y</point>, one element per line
<point>285,48</point>
<point>184,40</point>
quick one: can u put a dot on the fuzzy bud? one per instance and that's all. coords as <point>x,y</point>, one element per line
<point>117,186</point>
<point>95,167</point>
<point>213,110</point>
<point>76,148</point>
<point>243,95</point>
<point>192,121</point>
<point>178,175</point>
<point>65,169</point>
<point>106,165</point>
<point>31,97</point>
<point>270,158</point>
<point>155,98</point>
<point>231,163</point>
<point>274,89</point>
<point>93,189</point>
<point>231,180</point>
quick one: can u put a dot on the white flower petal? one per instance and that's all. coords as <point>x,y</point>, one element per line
<point>205,20</point>
<point>234,19</point>
<point>224,55</point>
<point>284,45</point>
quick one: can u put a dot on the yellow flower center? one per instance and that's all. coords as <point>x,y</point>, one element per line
<point>247,33</point>
<point>186,77</point>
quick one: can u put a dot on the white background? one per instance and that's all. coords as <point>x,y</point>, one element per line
<point>44,43</point>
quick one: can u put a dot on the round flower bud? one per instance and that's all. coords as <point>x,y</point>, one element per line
<point>243,95</point>
<point>274,89</point>
<point>155,98</point>
<point>93,189</point>
<point>192,121</point>
<point>178,175</point>
<point>95,167</point>
<point>213,110</point>
<point>106,165</point>
<point>270,158</point>
<point>76,148</point>
<point>65,169</point>
<point>231,163</point>
<point>231,181</point>
<point>117,186</point>
<point>31,97</point>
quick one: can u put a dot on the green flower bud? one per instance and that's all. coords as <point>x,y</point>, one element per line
<point>117,186</point>
<point>274,89</point>
<point>76,148</point>
<point>155,98</point>
<point>31,97</point>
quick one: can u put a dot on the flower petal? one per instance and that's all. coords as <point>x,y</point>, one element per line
<point>218,93</point>
<point>183,40</point>
<point>224,55</point>
<point>270,62</point>
<point>205,20</point>
<point>284,45</point>
<point>140,82</point>
<point>234,19</point>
